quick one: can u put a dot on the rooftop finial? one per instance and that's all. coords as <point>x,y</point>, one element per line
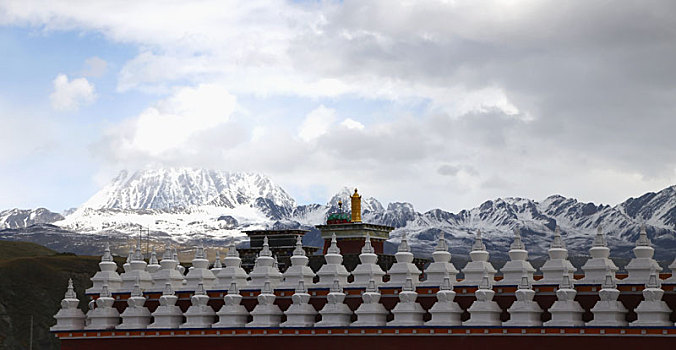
<point>478,242</point>
<point>333,248</point>
<point>403,246</point>
<point>106,253</point>
<point>167,289</point>
<point>517,244</point>
<point>266,248</point>
<point>600,239</point>
<point>70,292</point>
<point>367,248</point>
<point>335,288</point>
<point>299,251</point>
<point>557,242</point>
<point>643,239</point>
<point>442,246</point>
<point>356,207</point>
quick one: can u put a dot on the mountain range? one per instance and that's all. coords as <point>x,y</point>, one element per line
<point>187,205</point>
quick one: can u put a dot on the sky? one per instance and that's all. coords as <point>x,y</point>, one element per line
<point>443,104</point>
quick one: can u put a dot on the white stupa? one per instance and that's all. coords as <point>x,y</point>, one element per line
<point>407,312</point>
<point>200,273</point>
<point>233,271</point>
<point>266,313</point>
<point>557,265</point>
<point>404,267</point>
<point>371,312</point>
<point>137,271</point>
<point>333,269</point>
<point>69,317</point>
<point>199,314</point>
<point>441,267</point>
<point>217,266</point>
<point>104,316</point>
<point>640,267</point>
<point>566,312</point>
<point>167,315</point>
<point>167,273</point>
<point>335,312</point>
<point>478,267</point>
<point>652,311</point>
<point>524,312</point>
<point>298,271</point>
<point>107,273</point>
<point>445,312</point>
<point>368,269</point>
<point>264,269</point>
<point>596,268</point>
<point>232,313</point>
<point>135,315</point>
<point>153,264</point>
<point>518,264</point>
<point>127,264</point>
<point>672,278</point>
<point>484,311</point>
<point>300,313</point>
<point>608,311</point>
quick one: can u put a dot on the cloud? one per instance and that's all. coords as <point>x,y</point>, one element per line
<point>352,124</point>
<point>316,123</point>
<point>70,95</point>
<point>95,67</point>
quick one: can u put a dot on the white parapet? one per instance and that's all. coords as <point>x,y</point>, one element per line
<point>407,312</point>
<point>69,317</point>
<point>484,311</point>
<point>199,314</point>
<point>335,312</point>
<point>652,311</point>
<point>135,315</point>
<point>298,271</point>
<point>200,273</point>
<point>368,269</point>
<point>371,312</point>
<point>232,272</point>
<point>479,266</point>
<point>266,313</point>
<point>445,312</point>
<point>557,266</point>
<point>265,269</point>
<point>608,311</point>
<point>104,316</point>
<point>599,266</point>
<point>167,315</point>
<point>518,264</point>
<point>107,274</point>
<point>441,267</point>
<point>333,269</point>
<point>232,313</point>
<point>300,313</point>
<point>404,267</point>
<point>524,312</point>
<point>640,267</point>
<point>566,312</point>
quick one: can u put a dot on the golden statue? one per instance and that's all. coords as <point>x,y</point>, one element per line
<point>356,207</point>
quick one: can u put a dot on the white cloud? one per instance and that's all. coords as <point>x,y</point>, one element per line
<point>316,123</point>
<point>352,124</point>
<point>70,95</point>
<point>95,67</point>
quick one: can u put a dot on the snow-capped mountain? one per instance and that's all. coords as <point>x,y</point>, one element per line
<point>185,204</point>
<point>20,218</point>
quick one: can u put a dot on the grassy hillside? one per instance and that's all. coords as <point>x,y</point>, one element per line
<point>33,280</point>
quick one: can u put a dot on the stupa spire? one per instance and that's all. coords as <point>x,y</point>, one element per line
<point>298,250</point>
<point>478,242</point>
<point>517,243</point>
<point>69,317</point>
<point>367,248</point>
<point>106,253</point>
<point>600,238</point>
<point>333,248</point>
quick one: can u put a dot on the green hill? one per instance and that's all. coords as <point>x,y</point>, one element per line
<point>33,280</point>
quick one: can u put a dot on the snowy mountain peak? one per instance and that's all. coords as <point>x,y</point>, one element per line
<point>168,188</point>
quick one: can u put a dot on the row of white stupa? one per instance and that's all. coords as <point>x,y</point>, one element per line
<point>524,312</point>
<point>154,276</point>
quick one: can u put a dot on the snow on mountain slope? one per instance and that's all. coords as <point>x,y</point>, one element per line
<point>19,218</point>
